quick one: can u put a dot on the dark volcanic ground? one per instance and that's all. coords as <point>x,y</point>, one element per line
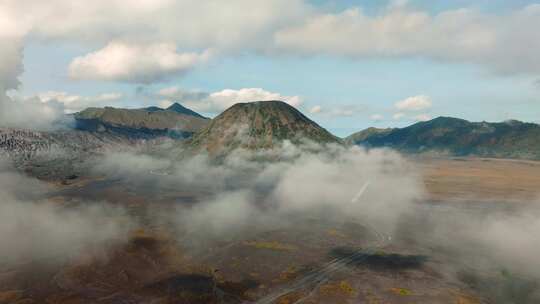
<point>309,258</point>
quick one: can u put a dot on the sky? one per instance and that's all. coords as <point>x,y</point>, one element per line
<point>346,64</point>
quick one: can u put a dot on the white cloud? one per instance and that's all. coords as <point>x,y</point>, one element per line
<point>415,103</point>
<point>30,113</point>
<point>180,94</point>
<point>230,97</point>
<point>342,111</point>
<point>47,110</point>
<point>397,4</point>
<point>376,117</point>
<point>119,61</point>
<point>338,111</point>
<point>419,117</point>
<point>74,103</point>
<point>398,116</point>
<point>170,91</point>
<point>504,42</point>
<point>315,109</point>
<point>422,117</point>
<point>51,232</point>
<point>192,24</point>
<point>165,103</point>
<point>218,101</point>
<point>15,112</point>
<point>10,64</point>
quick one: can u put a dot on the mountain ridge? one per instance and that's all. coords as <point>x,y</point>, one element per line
<point>458,137</point>
<point>175,121</point>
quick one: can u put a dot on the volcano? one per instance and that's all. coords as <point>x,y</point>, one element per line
<point>259,125</point>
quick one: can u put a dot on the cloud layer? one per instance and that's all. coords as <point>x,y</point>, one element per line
<point>34,228</point>
<point>263,188</point>
<point>135,63</point>
<point>218,101</point>
<point>16,112</point>
<point>248,192</point>
<point>462,35</point>
<point>153,41</point>
<point>73,103</point>
<point>377,188</point>
<point>338,111</point>
<point>155,30</point>
<point>415,103</point>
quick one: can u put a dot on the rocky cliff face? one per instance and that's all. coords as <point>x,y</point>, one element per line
<point>26,144</point>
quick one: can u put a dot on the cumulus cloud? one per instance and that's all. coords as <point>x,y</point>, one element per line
<point>376,117</point>
<point>465,35</point>
<point>10,65</point>
<point>16,112</point>
<point>31,113</point>
<point>398,116</point>
<point>119,61</point>
<point>315,109</point>
<point>47,110</point>
<point>74,103</point>
<point>229,97</point>
<point>415,103</point>
<point>338,111</point>
<point>422,117</point>
<point>191,24</point>
<point>218,101</point>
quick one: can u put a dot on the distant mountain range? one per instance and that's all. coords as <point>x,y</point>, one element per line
<point>457,137</point>
<point>260,124</point>
<point>264,124</point>
<point>175,121</point>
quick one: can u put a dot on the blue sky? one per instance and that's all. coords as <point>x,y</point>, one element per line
<point>368,86</point>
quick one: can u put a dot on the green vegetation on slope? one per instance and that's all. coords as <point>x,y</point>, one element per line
<point>458,137</point>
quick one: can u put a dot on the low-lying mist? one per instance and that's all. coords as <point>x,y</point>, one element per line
<point>379,187</point>
<point>268,187</point>
<point>254,191</point>
<point>33,228</point>
<point>249,192</point>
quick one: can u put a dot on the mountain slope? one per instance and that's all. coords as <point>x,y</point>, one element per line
<point>178,108</point>
<point>367,133</point>
<point>176,121</point>
<point>452,136</point>
<point>260,124</point>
